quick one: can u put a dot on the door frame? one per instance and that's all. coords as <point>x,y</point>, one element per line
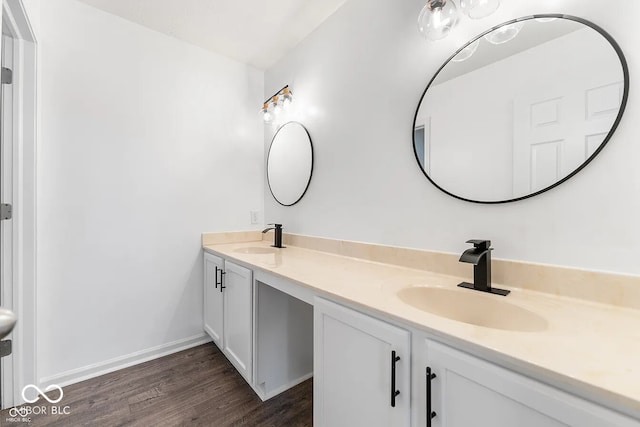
<point>25,131</point>
<point>7,193</point>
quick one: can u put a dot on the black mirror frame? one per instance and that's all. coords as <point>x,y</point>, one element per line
<point>623,104</point>
<point>310,172</point>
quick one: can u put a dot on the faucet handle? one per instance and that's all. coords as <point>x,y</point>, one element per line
<point>483,245</point>
<point>276,225</point>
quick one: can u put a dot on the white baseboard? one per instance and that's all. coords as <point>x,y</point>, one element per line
<point>91,371</point>
<point>273,393</point>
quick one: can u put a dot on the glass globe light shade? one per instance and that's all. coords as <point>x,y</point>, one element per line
<point>276,106</point>
<point>504,33</point>
<point>546,19</point>
<point>286,103</point>
<point>277,121</point>
<point>467,52</point>
<point>476,9</point>
<point>437,18</point>
<point>287,97</point>
<point>266,114</point>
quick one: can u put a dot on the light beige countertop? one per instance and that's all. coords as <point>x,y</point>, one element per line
<point>588,348</point>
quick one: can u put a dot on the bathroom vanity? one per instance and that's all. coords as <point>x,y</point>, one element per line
<point>380,358</point>
<point>252,322</point>
<point>388,334</point>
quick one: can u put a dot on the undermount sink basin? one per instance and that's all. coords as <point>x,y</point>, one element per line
<point>7,322</point>
<point>256,250</point>
<point>473,307</point>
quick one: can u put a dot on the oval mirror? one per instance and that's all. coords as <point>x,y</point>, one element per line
<point>290,163</point>
<point>520,109</point>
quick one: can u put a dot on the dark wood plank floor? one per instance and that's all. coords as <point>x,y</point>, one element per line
<point>196,387</point>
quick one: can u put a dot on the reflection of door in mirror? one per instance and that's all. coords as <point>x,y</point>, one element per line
<point>423,144</point>
<point>559,126</point>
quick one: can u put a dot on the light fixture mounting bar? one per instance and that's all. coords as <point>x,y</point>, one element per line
<point>276,94</point>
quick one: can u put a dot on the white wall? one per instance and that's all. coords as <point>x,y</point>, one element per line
<point>145,143</point>
<point>357,82</point>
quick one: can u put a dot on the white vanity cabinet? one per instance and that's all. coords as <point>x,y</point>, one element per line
<point>356,379</point>
<point>467,391</point>
<point>228,310</point>
<point>213,299</point>
<point>237,289</point>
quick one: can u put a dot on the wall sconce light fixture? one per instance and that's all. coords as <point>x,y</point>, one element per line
<point>276,104</point>
<point>439,17</point>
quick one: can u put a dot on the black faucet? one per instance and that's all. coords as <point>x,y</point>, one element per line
<point>277,240</point>
<point>480,257</point>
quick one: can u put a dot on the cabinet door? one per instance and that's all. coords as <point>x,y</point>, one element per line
<point>468,391</point>
<point>353,369</point>
<point>213,299</point>
<point>238,303</point>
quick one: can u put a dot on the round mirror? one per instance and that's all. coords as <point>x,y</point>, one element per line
<point>290,163</point>
<point>520,109</point>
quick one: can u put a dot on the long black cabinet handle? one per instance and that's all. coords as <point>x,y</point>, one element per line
<point>394,359</point>
<point>217,269</point>
<point>222,272</point>
<point>430,414</point>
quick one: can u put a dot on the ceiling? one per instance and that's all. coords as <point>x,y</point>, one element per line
<point>255,32</point>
